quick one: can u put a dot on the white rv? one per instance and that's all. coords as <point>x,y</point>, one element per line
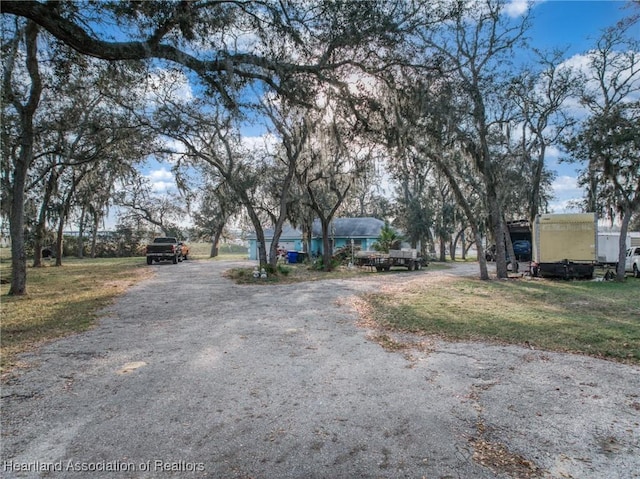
<point>609,245</point>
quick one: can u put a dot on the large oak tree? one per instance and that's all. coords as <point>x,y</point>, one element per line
<point>227,44</point>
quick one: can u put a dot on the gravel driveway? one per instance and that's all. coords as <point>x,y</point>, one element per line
<point>220,380</point>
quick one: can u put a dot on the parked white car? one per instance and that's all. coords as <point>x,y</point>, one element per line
<point>632,261</point>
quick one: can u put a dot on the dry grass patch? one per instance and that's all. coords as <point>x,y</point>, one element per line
<point>499,459</point>
<point>61,300</point>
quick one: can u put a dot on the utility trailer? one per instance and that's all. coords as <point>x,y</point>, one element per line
<point>565,245</point>
<point>407,258</point>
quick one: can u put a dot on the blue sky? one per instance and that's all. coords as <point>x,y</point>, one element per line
<point>574,26</point>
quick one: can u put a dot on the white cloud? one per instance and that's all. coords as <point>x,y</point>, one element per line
<point>517,8</point>
<point>161,174</point>
<point>262,142</point>
<point>161,180</point>
<point>552,153</point>
<point>565,206</point>
<point>172,145</point>
<point>580,62</point>
<point>566,193</point>
<point>564,184</point>
<point>622,69</point>
<point>172,84</point>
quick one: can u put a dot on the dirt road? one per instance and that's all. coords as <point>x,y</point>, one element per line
<point>230,381</point>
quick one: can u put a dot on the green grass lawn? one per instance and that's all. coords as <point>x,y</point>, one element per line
<point>596,318</point>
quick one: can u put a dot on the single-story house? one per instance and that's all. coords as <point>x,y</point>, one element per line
<point>363,231</point>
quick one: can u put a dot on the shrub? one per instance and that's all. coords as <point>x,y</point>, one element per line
<point>283,270</point>
<point>345,254</point>
<point>388,239</point>
<point>318,264</point>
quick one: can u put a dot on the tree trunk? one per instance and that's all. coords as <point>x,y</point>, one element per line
<point>39,234</point>
<point>467,247</point>
<point>282,212</point>
<point>471,217</point>
<point>463,245</point>
<point>60,241</point>
<point>326,245</point>
<point>94,233</point>
<point>23,162</point>
<point>535,190</point>
<point>443,248</point>
<point>307,233</point>
<point>482,261</point>
<point>214,244</point>
<point>495,216</point>
<point>41,225</point>
<point>509,246</point>
<point>16,229</point>
<point>257,225</point>
<point>64,213</point>
<point>622,245</point>
<point>80,250</point>
<point>454,245</point>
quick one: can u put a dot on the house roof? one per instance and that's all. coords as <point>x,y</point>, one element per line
<point>288,233</point>
<point>351,227</point>
<point>340,227</point>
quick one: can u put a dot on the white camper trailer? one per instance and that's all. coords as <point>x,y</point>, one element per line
<point>609,245</point>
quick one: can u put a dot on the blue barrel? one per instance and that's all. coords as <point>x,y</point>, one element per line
<point>292,256</point>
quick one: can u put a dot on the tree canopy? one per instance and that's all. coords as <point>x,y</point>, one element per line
<point>424,95</point>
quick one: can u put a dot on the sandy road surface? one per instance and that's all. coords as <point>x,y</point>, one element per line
<point>280,382</point>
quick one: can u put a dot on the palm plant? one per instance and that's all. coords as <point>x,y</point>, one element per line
<point>388,239</point>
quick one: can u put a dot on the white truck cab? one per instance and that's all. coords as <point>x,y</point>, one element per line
<point>632,261</point>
